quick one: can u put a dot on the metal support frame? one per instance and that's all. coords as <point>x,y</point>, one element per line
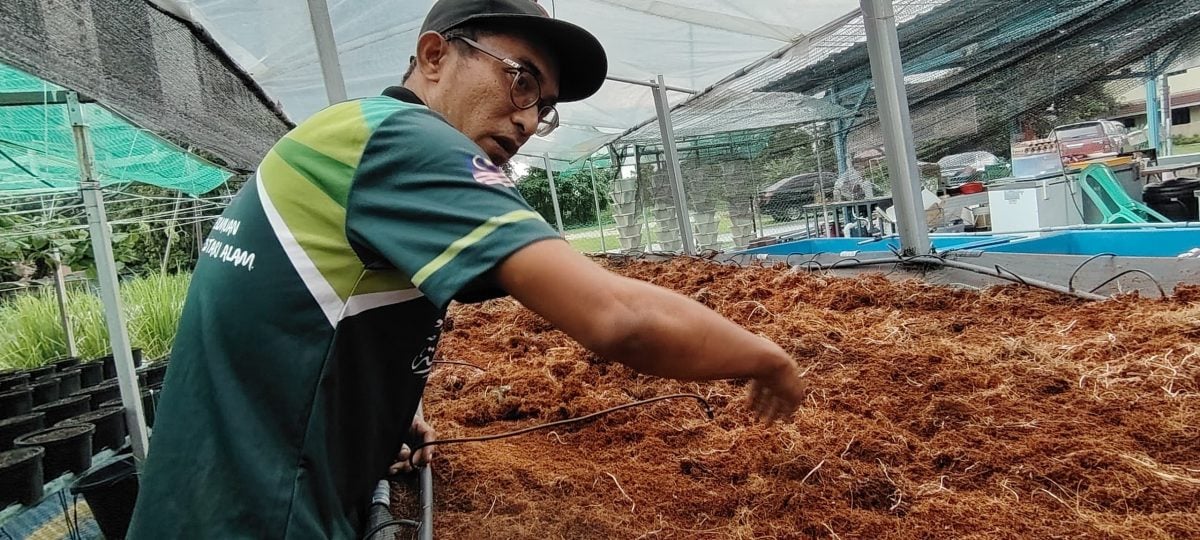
<point>892,98</point>
<point>1153,114</point>
<point>24,99</point>
<point>673,170</point>
<point>650,84</point>
<point>327,54</point>
<point>553,194</point>
<point>106,273</point>
<point>596,199</point>
<point>1165,149</point>
<point>60,290</point>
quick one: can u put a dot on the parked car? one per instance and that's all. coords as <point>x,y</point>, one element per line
<point>958,169</point>
<point>784,200</point>
<point>1088,139</point>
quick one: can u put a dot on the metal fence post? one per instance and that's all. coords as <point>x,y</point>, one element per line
<point>106,273</point>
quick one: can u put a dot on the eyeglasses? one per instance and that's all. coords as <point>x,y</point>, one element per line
<point>526,91</point>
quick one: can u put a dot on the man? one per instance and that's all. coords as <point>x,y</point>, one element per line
<point>312,318</point>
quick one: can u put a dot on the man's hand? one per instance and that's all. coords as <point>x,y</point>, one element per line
<point>420,430</point>
<point>648,328</point>
<point>778,392</point>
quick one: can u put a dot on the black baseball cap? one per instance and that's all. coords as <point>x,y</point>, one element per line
<point>581,59</point>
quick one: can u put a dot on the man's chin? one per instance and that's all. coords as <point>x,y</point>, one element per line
<point>498,159</point>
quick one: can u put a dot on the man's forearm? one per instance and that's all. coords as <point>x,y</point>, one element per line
<point>677,337</point>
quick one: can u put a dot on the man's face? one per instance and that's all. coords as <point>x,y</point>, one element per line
<point>476,93</point>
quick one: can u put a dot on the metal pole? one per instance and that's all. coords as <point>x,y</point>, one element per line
<point>884,49</point>
<point>1166,112</point>
<point>106,273</point>
<point>196,230</point>
<point>1153,114</point>
<point>60,288</point>
<point>673,172</point>
<point>425,531</point>
<point>553,194</point>
<point>327,55</point>
<point>821,184</point>
<point>596,199</point>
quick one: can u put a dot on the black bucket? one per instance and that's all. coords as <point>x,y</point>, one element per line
<point>16,402</point>
<point>39,372</point>
<point>110,427</point>
<point>153,374</point>
<point>13,380</point>
<point>21,479</point>
<point>44,390</point>
<point>90,374</point>
<point>64,362</point>
<point>14,427</point>
<point>1175,198</point>
<point>57,411</point>
<point>68,448</point>
<point>68,382</point>
<point>110,491</point>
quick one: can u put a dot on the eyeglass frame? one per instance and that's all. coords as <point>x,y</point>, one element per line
<point>516,70</point>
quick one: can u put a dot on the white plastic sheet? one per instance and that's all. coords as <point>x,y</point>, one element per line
<point>693,43</point>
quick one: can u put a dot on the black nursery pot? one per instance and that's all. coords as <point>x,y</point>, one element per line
<point>90,374</point>
<point>68,448</point>
<point>21,479</point>
<point>64,363</point>
<point>13,380</point>
<point>11,428</point>
<point>105,391</point>
<point>149,405</point>
<point>110,363</point>
<point>45,390</point>
<point>57,411</point>
<point>16,402</point>
<point>110,427</point>
<point>110,491</point>
<point>70,381</point>
<point>39,372</point>
<point>153,374</point>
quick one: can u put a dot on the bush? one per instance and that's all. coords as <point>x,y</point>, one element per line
<point>33,333</point>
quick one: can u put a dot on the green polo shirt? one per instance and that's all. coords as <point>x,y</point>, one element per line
<point>312,320</point>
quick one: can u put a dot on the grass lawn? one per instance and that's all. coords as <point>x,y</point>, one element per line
<point>591,244</point>
<point>1186,148</point>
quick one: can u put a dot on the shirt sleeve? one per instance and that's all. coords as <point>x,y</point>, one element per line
<point>426,201</point>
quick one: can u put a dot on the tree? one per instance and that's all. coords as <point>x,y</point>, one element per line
<point>575,197</point>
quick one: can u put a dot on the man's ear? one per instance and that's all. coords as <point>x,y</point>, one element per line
<point>432,51</point>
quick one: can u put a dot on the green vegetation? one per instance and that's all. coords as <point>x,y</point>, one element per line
<point>33,333</point>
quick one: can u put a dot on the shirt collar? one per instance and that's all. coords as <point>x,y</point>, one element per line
<point>403,94</point>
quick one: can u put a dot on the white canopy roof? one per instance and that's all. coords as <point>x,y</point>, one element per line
<point>692,43</point>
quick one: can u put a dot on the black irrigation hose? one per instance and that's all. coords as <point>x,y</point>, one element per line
<point>999,272</point>
<point>1161,291</point>
<point>1071,282</point>
<point>840,261</point>
<point>390,523</point>
<point>708,411</point>
<point>1013,274</point>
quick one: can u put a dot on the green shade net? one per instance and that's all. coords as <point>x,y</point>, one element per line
<point>37,148</point>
